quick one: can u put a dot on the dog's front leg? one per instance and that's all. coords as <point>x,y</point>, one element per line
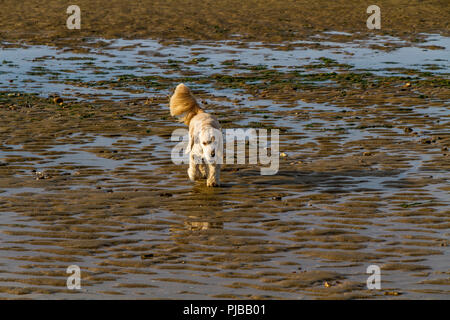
<point>213,175</point>
<point>203,170</point>
<point>192,170</point>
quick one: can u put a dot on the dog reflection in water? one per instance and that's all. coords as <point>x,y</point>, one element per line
<point>198,226</point>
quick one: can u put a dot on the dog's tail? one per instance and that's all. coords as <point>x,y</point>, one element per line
<point>183,104</point>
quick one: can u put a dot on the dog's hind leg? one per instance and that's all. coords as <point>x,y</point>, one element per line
<point>213,179</point>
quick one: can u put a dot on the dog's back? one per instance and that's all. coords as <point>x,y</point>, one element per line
<point>204,119</point>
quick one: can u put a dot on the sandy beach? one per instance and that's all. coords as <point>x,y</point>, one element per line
<point>86,176</point>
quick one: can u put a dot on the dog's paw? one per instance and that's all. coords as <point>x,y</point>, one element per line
<point>212,184</point>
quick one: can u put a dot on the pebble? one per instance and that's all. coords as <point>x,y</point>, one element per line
<point>41,175</point>
<point>165,194</point>
<point>407,129</point>
<point>435,138</point>
<point>58,100</point>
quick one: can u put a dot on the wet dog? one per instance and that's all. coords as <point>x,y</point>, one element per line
<point>205,136</point>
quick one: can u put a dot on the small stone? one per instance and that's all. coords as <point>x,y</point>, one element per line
<point>41,175</point>
<point>435,138</point>
<point>58,100</point>
<point>284,155</point>
<point>408,129</point>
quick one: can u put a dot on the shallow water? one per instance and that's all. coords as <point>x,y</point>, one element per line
<point>355,189</point>
<point>48,70</point>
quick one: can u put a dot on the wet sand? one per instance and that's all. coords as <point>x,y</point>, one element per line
<point>273,21</point>
<point>364,125</point>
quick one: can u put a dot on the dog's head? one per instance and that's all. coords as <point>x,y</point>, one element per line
<point>210,140</point>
